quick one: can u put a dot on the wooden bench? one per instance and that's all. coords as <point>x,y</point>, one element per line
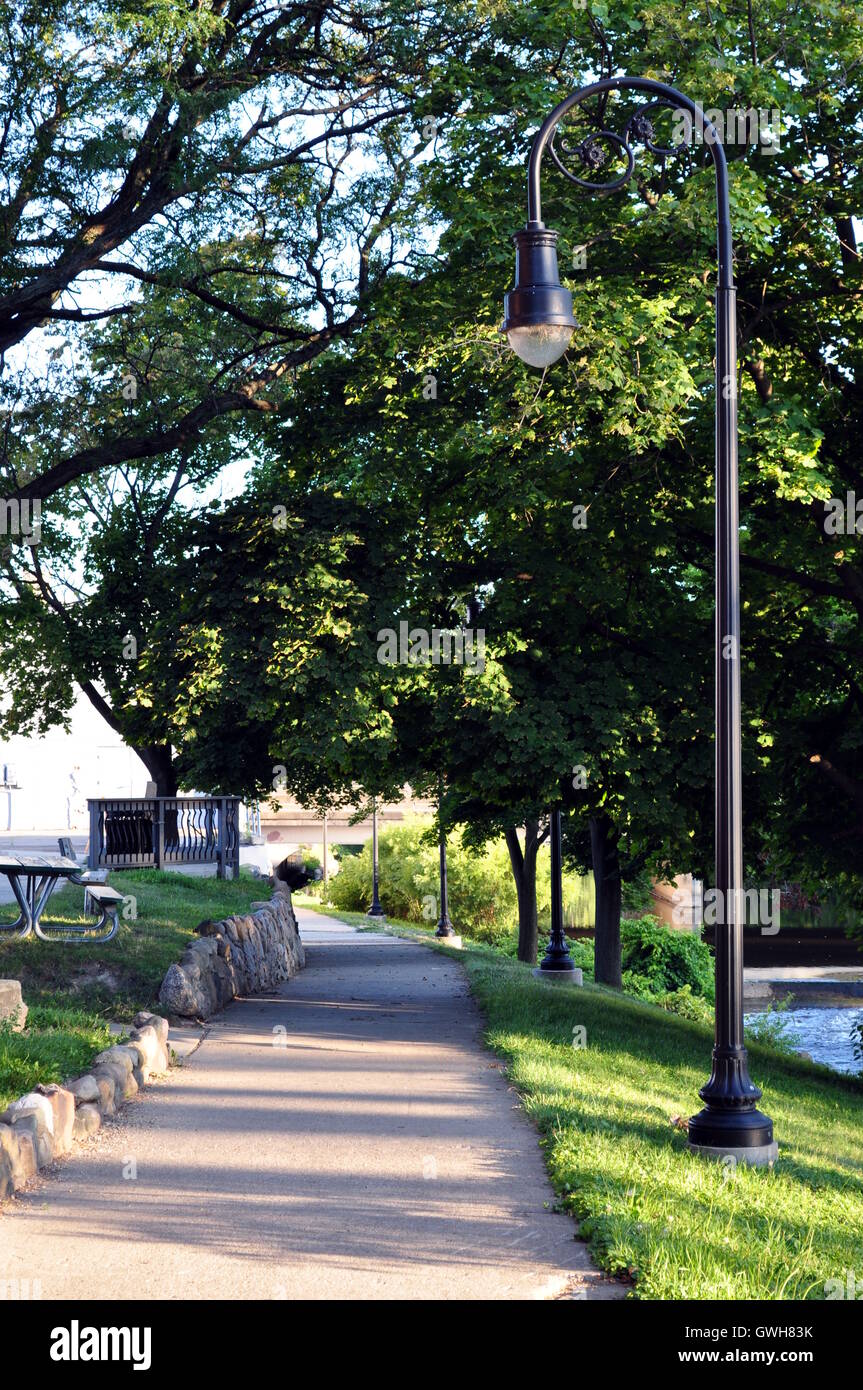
<point>106,899</point>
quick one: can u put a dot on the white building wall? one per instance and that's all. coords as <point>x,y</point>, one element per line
<point>45,782</point>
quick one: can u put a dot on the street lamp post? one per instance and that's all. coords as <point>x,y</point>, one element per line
<point>375,910</point>
<point>444,927</point>
<point>557,960</point>
<point>539,322</point>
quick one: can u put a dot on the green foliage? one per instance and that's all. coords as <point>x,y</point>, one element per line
<point>666,960</point>
<point>481,889</point>
<point>58,1043</point>
<point>258,646</point>
<point>637,893</point>
<point>682,1002</point>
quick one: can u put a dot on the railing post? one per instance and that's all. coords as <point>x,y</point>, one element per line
<point>94,846</point>
<point>160,832</point>
<point>235,819</point>
<point>220,871</point>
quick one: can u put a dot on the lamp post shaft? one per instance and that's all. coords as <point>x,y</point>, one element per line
<point>729,772</point>
<point>444,926</point>
<point>375,910</point>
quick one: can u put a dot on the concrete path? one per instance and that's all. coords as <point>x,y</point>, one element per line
<point>347,1138</point>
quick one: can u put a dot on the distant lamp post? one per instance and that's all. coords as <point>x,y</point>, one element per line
<point>444,927</point>
<point>375,910</point>
<point>539,322</point>
<point>557,960</point>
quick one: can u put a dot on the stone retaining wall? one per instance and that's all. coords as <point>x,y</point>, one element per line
<point>239,956</point>
<point>44,1124</point>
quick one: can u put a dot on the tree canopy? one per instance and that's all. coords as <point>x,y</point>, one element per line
<point>422,474</point>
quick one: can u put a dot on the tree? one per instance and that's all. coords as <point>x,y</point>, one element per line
<point>196,203</point>
<point>462,475</point>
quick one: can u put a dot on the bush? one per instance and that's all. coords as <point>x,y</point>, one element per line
<point>676,1001</point>
<point>482,897</point>
<point>667,960</point>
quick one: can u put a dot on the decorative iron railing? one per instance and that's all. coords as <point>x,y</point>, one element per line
<point>162,831</point>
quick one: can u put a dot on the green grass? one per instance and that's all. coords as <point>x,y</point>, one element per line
<point>73,989</point>
<point>678,1226</point>
<point>59,1043</point>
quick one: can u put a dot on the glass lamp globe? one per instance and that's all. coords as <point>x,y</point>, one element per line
<point>539,344</point>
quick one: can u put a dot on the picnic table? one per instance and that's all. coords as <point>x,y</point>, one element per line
<point>33,878</point>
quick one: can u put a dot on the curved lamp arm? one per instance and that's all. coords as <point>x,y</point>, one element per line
<point>663,96</point>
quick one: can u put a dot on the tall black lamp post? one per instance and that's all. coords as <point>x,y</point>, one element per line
<point>444,927</point>
<point>539,322</point>
<point>557,960</point>
<point>375,910</point>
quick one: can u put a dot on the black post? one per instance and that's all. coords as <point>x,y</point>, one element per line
<point>444,926</point>
<point>730,1125</point>
<point>160,832</point>
<point>538,322</point>
<point>557,958</point>
<point>375,910</point>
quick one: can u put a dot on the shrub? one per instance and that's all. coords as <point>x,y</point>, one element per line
<point>665,959</point>
<point>675,1001</point>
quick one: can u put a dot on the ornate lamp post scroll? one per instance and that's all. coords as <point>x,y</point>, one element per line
<point>539,322</point>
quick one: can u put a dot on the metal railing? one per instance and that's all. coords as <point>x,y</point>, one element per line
<point>163,831</point>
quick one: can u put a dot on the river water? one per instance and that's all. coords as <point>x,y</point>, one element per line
<point>825,1033</point>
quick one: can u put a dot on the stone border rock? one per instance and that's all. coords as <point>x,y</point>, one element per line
<point>44,1124</point>
<point>241,955</point>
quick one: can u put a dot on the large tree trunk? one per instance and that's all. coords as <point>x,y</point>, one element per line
<point>606,874</point>
<point>524,872</point>
<point>159,763</point>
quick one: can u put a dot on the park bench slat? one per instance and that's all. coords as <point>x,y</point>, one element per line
<point>103,893</point>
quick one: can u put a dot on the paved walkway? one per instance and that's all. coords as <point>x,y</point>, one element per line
<point>347,1137</point>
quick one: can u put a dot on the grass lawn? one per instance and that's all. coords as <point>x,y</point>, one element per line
<point>72,990</point>
<point>678,1226</point>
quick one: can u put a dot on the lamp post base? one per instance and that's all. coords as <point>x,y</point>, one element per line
<point>375,911</point>
<point>571,976</point>
<point>746,1136</point>
<point>764,1156</point>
